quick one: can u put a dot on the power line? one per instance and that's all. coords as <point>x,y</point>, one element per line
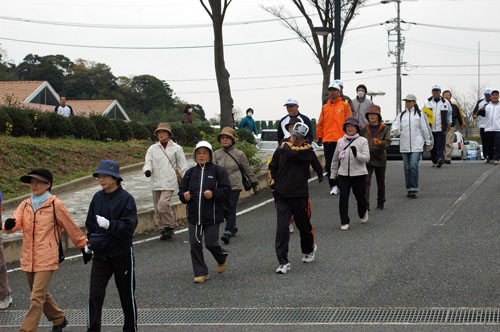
<point>454,27</point>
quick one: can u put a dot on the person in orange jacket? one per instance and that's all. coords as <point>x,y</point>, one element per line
<point>330,128</point>
<point>42,217</point>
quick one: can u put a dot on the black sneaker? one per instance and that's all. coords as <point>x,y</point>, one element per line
<point>413,194</point>
<point>59,328</point>
<point>380,205</point>
<point>166,234</point>
<point>447,162</point>
<point>225,238</point>
<point>440,163</point>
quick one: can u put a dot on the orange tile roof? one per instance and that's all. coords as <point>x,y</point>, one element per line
<point>17,91</point>
<point>87,107</point>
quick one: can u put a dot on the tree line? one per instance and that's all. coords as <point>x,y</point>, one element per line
<point>144,97</point>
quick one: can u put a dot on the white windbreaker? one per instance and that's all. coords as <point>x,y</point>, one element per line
<point>492,119</point>
<point>437,107</point>
<point>414,131</point>
<point>163,176</point>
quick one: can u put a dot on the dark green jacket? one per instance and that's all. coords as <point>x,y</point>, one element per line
<point>378,155</point>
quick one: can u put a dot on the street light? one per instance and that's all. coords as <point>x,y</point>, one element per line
<point>322,31</point>
<point>373,93</point>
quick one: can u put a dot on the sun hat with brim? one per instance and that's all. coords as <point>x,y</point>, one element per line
<point>352,121</point>
<point>41,174</point>
<point>108,167</point>
<point>228,131</point>
<point>164,126</point>
<point>203,144</point>
<point>374,109</point>
<point>410,97</point>
<point>292,122</point>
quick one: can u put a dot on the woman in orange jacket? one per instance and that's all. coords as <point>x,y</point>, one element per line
<point>41,218</point>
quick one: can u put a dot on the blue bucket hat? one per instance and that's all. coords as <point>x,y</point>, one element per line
<point>108,167</point>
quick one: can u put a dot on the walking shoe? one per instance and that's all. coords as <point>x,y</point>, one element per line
<point>5,303</point>
<point>365,218</point>
<point>222,267</point>
<point>344,227</point>
<point>283,268</point>
<point>334,191</point>
<point>492,161</point>
<point>233,234</point>
<point>440,163</point>
<point>59,328</point>
<point>225,238</point>
<point>167,234</point>
<point>309,258</point>
<point>200,279</point>
<point>290,229</point>
<point>413,194</point>
<point>447,162</point>
<point>434,165</point>
<point>380,205</point>
<point>496,162</point>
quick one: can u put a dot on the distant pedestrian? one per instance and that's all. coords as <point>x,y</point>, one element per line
<point>165,165</point>
<point>289,174</point>
<point>42,217</point>
<point>349,166</point>
<point>205,189</point>
<point>5,291</point>
<point>292,107</point>
<point>345,98</point>
<point>187,114</point>
<point>481,123</point>
<point>456,117</point>
<point>379,139</point>
<point>492,126</point>
<point>234,162</point>
<point>111,223</point>
<point>360,105</point>
<point>329,129</point>
<point>64,109</point>
<point>414,131</point>
<point>439,112</point>
<point>248,122</point>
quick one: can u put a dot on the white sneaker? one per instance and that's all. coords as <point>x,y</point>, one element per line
<point>290,229</point>
<point>283,269</point>
<point>334,191</point>
<point>5,303</point>
<point>344,227</point>
<point>309,258</point>
<point>365,218</point>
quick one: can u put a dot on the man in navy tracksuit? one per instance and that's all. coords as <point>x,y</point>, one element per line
<point>205,188</point>
<point>288,176</point>
<point>111,222</point>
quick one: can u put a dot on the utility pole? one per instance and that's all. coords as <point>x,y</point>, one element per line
<point>478,69</point>
<point>337,39</point>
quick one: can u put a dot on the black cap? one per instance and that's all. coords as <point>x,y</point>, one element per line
<point>41,174</point>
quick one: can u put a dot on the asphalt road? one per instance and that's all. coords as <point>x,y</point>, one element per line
<point>438,251</point>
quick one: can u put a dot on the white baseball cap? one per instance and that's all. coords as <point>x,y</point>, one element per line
<point>334,85</point>
<point>339,82</point>
<point>487,91</point>
<point>494,90</point>
<point>291,101</point>
<point>436,87</point>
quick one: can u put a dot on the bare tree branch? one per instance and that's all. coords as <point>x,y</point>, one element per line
<point>207,10</point>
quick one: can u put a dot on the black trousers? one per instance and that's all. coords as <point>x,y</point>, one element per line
<point>489,145</point>
<point>122,267</point>
<point>380,177</point>
<point>329,150</point>
<point>357,183</point>
<point>211,233</point>
<point>300,208</point>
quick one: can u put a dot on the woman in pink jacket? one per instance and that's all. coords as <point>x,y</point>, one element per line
<point>42,218</point>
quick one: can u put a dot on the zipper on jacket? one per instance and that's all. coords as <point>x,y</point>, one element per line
<point>348,163</point>
<point>33,241</point>
<point>409,126</point>
<point>199,197</point>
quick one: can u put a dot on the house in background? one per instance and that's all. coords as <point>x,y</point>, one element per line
<point>41,95</point>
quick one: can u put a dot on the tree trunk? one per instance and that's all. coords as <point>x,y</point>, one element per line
<point>226,101</point>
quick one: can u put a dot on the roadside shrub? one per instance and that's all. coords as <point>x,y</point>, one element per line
<point>245,136</point>
<point>105,128</point>
<point>179,134</point>
<point>83,127</point>
<point>22,120</point>
<point>139,130</point>
<point>124,131</point>
<point>5,122</point>
<point>250,152</point>
<point>52,125</point>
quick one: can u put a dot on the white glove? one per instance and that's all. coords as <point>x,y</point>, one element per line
<point>87,249</point>
<point>103,222</point>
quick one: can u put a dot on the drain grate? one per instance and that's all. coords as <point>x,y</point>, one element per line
<point>279,316</point>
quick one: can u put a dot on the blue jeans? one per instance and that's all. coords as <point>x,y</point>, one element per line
<point>230,212</point>
<point>410,161</point>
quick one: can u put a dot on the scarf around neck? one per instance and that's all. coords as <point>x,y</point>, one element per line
<point>38,201</point>
<point>343,143</point>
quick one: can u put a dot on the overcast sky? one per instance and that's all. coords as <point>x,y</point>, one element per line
<point>190,72</point>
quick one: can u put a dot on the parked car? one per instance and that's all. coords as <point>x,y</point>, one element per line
<point>393,150</point>
<point>473,150</point>
<point>459,148</point>
<point>268,139</point>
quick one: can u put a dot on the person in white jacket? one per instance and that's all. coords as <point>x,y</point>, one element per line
<point>162,160</point>
<point>491,113</point>
<point>349,168</point>
<point>440,124</point>
<point>415,132</point>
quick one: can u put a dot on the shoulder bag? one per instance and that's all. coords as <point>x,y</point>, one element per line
<point>179,176</point>
<point>57,235</point>
<point>244,179</point>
